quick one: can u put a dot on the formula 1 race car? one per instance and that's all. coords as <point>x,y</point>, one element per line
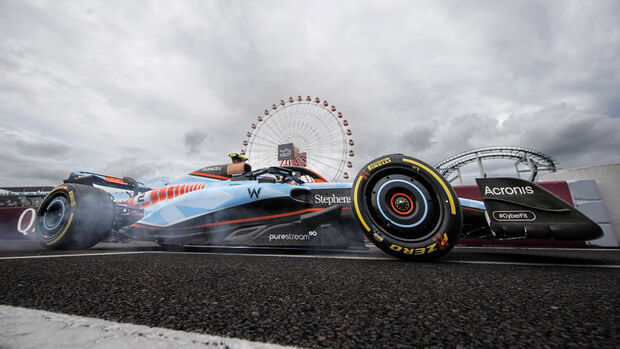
<point>401,204</point>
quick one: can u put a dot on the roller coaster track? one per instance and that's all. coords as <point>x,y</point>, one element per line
<point>534,161</point>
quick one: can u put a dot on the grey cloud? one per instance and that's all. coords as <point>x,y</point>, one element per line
<point>21,171</point>
<point>430,79</point>
<point>569,135</point>
<point>418,138</point>
<point>193,140</point>
<point>29,145</point>
<point>134,167</point>
<point>51,149</point>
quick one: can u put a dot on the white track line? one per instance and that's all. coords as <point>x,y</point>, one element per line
<point>371,258</point>
<point>74,255</point>
<point>28,328</point>
<point>394,259</point>
<point>605,266</point>
<point>592,249</point>
<point>197,253</point>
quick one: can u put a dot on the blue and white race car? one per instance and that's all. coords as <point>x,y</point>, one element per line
<point>401,204</point>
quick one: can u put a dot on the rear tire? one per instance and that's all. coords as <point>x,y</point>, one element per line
<point>406,208</point>
<point>74,216</point>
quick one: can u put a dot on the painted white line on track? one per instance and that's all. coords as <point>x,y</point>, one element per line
<point>607,266</point>
<point>394,259</point>
<point>369,258</point>
<point>74,255</point>
<point>593,249</point>
<point>197,253</point>
<point>28,328</point>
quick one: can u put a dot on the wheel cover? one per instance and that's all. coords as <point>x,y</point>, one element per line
<point>403,204</point>
<point>54,218</point>
<point>405,197</point>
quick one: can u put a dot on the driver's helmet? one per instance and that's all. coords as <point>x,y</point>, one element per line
<point>268,178</point>
<point>237,158</point>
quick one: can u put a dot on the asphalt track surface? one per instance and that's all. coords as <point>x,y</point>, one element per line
<point>474,297</point>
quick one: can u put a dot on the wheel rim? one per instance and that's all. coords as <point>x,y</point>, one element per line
<point>401,187</point>
<point>401,204</point>
<point>54,218</point>
<point>53,214</point>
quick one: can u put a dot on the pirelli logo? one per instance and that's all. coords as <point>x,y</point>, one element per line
<point>379,163</point>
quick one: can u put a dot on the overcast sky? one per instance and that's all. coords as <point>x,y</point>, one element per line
<point>151,89</point>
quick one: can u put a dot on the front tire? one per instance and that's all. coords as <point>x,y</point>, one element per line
<point>406,208</point>
<point>74,216</point>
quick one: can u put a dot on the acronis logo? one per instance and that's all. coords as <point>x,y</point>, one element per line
<point>508,190</point>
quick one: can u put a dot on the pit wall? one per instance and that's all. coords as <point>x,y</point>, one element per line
<point>17,223</point>
<point>607,186</point>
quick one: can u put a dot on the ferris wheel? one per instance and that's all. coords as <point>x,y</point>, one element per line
<point>303,132</point>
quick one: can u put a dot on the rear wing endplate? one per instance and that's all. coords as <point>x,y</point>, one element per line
<point>89,178</point>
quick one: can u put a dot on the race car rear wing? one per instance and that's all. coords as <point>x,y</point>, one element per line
<point>89,178</point>
<point>517,208</point>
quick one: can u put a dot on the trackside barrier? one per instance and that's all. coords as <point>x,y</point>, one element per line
<point>606,179</point>
<point>17,223</point>
<point>588,200</point>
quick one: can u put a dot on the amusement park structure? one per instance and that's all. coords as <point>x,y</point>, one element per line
<point>307,132</point>
<point>526,161</point>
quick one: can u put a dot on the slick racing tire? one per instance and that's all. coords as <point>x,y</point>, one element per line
<point>74,216</point>
<point>406,208</point>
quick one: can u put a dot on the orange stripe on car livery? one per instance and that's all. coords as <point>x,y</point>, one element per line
<point>473,209</point>
<point>209,175</point>
<point>114,180</point>
<point>163,194</point>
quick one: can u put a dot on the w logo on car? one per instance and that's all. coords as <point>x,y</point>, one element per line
<point>254,193</point>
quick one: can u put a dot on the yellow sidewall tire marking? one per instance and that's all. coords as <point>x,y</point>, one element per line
<point>52,191</point>
<point>452,205</point>
<point>357,209</point>
<point>63,232</point>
